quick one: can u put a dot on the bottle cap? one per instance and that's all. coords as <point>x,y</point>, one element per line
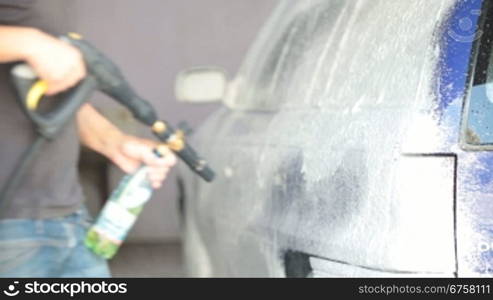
<point>160,150</point>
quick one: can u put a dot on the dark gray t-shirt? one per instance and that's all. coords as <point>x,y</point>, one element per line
<point>51,187</point>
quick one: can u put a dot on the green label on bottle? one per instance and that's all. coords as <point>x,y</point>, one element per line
<point>114,222</point>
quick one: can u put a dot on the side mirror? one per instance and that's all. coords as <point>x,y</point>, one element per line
<point>201,85</point>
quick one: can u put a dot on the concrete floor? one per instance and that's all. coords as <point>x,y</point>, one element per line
<point>148,260</point>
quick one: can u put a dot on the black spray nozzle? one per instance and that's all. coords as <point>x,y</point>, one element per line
<point>175,140</point>
<point>197,164</point>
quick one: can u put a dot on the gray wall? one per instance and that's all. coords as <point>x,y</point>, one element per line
<point>152,40</point>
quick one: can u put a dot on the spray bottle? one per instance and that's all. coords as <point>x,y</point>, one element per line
<point>120,212</point>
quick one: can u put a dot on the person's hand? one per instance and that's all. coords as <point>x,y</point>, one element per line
<point>58,63</point>
<point>131,152</point>
<point>127,152</point>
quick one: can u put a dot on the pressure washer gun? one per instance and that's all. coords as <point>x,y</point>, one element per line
<point>103,75</point>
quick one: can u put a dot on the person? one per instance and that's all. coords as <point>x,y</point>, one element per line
<point>42,233</point>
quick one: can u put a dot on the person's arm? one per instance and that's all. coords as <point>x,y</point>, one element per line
<point>127,152</point>
<point>57,62</point>
<point>61,65</point>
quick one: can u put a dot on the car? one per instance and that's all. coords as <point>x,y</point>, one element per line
<point>355,141</point>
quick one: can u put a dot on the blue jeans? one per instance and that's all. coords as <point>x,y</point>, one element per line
<point>48,248</point>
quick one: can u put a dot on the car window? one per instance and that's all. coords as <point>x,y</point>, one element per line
<point>478,119</point>
<point>342,55</point>
<point>286,54</point>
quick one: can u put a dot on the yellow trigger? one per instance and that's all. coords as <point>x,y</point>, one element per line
<point>35,94</point>
<point>75,35</point>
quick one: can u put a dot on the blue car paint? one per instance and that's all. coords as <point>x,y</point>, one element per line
<point>456,45</point>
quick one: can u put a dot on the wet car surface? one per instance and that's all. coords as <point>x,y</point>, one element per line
<point>355,141</point>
